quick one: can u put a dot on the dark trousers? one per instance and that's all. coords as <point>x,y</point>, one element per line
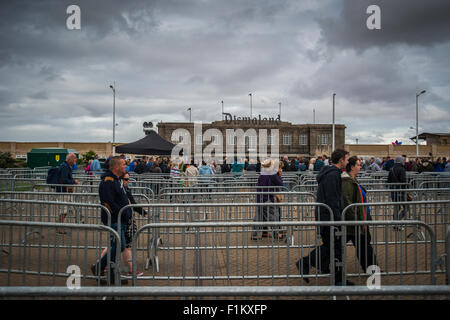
<point>399,210</point>
<point>364,250</point>
<point>113,252</point>
<point>320,256</point>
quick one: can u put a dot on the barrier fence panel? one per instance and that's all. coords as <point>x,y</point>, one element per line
<point>387,195</point>
<point>231,197</point>
<point>223,254</point>
<point>220,212</point>
<point>78,188</point>
<point>51,211</point>
<point>410,244</point>
<point>66,197</point>
<point>447,251</point>
<point>220,292</point>
<point>49,260</point>
<point>443,183</point>
<point>210,189</point>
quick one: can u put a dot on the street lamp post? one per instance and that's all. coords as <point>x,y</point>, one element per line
<point>279,112</point>
<point>222,110</point>
<point>190,114</point>
<point>314,116</point>
<point>417,121</point>
<point>114,118</point>
<point>251,113</point>
<point>333,128</point>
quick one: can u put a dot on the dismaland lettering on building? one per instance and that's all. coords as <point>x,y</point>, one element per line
<point>232,119</point>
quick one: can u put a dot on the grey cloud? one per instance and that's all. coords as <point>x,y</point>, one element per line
<point>412,22</point>
<point>374,76</point>
<point>41,95</point>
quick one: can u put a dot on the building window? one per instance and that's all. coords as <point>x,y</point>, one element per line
<point>269,140</point>
<point>322,139</point>
<point>251,142</point>
<point>231,140</point>
<point>199,140</point>
<point>286,139</point>
<point>216,140</point>
<point>303,139</point>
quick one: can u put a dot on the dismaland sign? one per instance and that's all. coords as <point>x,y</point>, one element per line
<point>230,119</point>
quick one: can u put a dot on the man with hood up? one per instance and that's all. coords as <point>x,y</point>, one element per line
<point>329,192</point>
<point>396,176</point>
<point>375,166</point>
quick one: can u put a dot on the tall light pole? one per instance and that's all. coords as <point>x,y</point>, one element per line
<point>222,110</point>
<point>417,121</point>
<point>333,128</point>
<point>314,116</point>
<point>190,114</point>
<point>113,87</point>
<point>279,112</point>
<point>251,113</point>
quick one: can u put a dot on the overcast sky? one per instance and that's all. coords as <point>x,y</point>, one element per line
<point>166,56</point>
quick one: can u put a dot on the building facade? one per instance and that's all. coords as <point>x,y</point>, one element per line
<point>293,139</point>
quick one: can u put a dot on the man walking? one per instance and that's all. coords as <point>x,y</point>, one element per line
<point>329,192</point>
<point>96,168</point>
<point>114,197</point>
<point>65,177</point>
<point>65,173</point>
<point>397,176</point>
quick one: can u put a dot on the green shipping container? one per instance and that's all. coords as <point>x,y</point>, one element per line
<point>47,157</point>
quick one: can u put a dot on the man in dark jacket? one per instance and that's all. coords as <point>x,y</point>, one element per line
<point>114,197</point>
<point>65,177</point>
<point>389,164</point>
<point>396,176</point>
<point>329,192</point>
<point>65,173</point>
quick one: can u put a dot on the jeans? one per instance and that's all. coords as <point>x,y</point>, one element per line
<point>104,260</point>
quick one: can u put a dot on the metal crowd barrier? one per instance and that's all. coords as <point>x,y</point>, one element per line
<point>311,186</point>
<point>217,212</point>
<point>434,213</point>
<point>416,194</point>
<point>222,254</point>
<point>263,292</point>
<point>48,260</point>
<point>78,188</point>
<point>447,252</point>
<point>66,197</point>
<point>443,183</point>
<point>220,189</point>
<point>231,197</point>
<point>51,211</point>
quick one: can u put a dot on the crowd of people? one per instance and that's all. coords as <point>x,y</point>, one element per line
<point>417,165</point>
<point>338,187</point>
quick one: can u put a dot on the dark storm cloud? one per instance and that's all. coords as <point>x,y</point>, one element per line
<point>412,22</point>
<point>33,29</point>
<point>166,56</point>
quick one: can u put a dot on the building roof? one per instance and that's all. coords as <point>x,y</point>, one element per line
<point>425,134</point>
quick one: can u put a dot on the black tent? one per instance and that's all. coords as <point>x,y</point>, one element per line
<point>151,144</point>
